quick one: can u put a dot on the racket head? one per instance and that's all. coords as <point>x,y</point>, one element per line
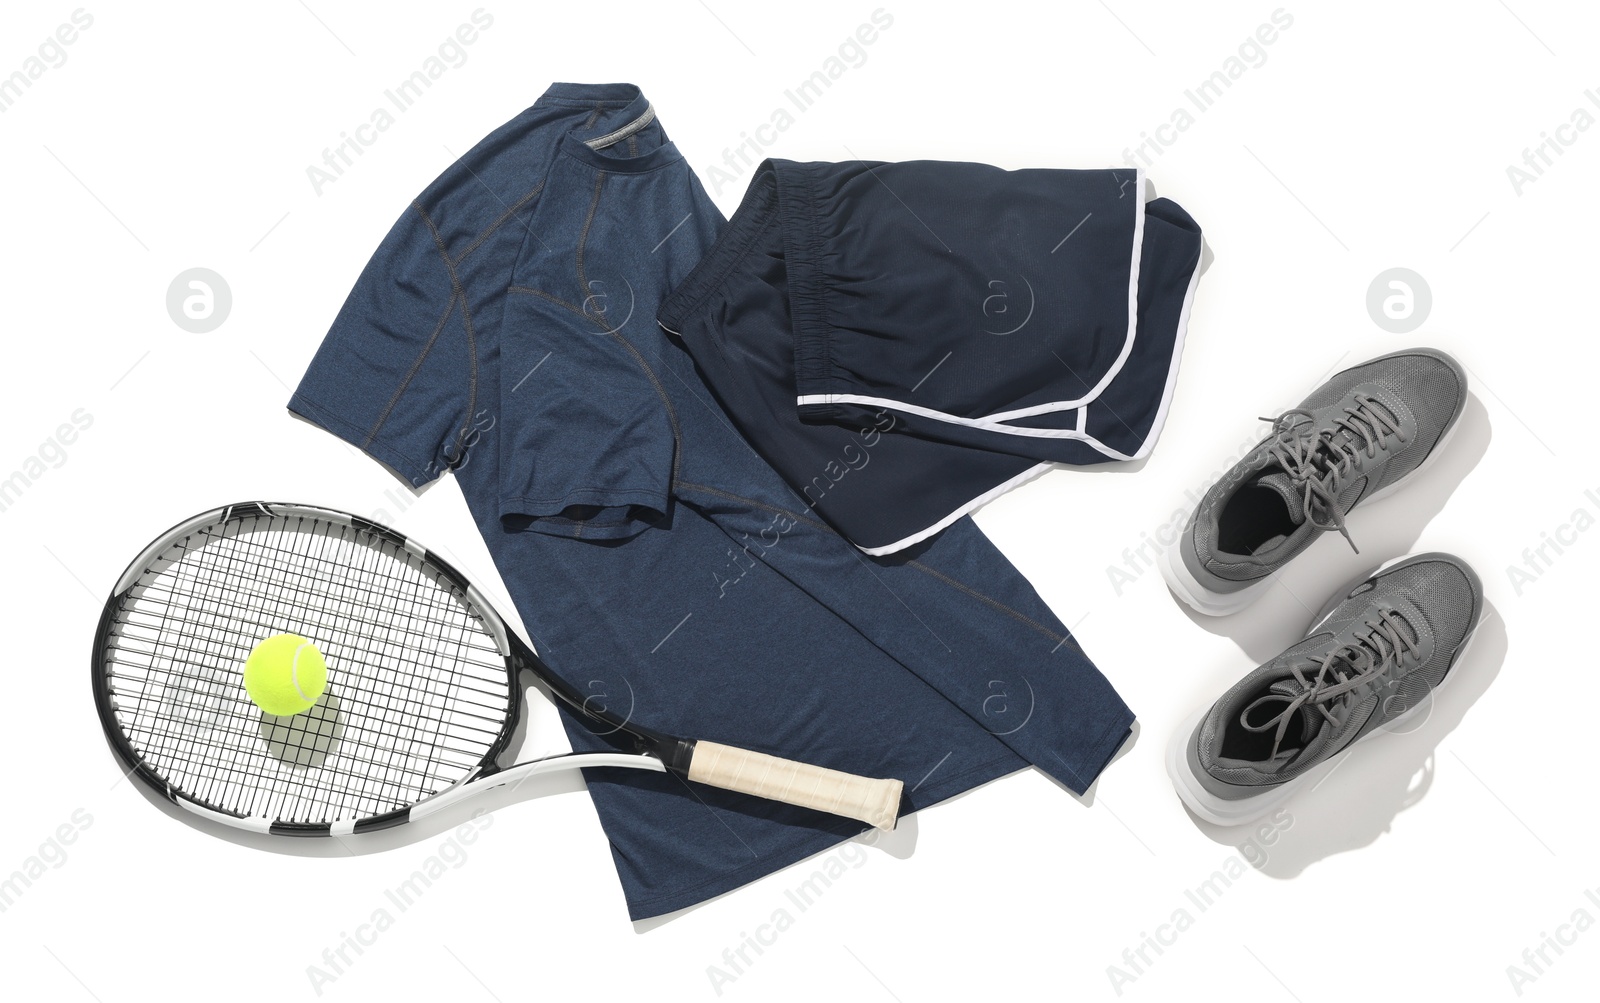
<point>422,692</point>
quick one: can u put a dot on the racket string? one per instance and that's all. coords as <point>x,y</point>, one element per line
<point>418,691</point>
<point>341,581</point>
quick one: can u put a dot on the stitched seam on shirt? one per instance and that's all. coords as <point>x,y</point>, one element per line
<point>559,520</point>
<point>466,323</point>
<point>655,381</point>
<point>584,102</point>
<point>411,373</point>
<point>594,116</point>
<point>1107,733</point>
<point>512,211</point>
<point>526,291</point>
<point>919,565</point>
<point>661,391</point>
<point>327,416</point>
<point>583,238</point>
<point>995,603</point>
<point>736,875</point>
<point>644,494</point>
<point>580,526</point>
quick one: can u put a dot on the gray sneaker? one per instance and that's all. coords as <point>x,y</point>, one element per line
<point>1355,439</point>
<point>1372,659</point>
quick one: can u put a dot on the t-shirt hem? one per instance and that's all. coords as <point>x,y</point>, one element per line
<point>604,497</point>
<point>1096,755</point>
<point>622,512</point>
<point>814,843</point>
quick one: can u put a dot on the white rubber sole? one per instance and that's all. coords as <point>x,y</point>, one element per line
<point>1222,811</point>
<point>1197,597</point>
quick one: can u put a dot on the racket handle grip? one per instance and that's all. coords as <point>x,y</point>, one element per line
<point>876,802</point>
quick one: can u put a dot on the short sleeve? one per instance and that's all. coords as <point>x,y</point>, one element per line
<point>394,376</point>
<point>588,437</point>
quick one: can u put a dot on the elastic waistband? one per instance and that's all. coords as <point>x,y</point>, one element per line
<point>758,207</point>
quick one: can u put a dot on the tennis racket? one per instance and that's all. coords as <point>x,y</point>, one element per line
<point>422,695</point>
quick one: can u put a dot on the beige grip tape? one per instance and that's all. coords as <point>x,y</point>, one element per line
<point>876,802</point>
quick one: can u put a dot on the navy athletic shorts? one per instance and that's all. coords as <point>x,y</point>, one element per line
<point>977,324</point>
<point>505,331</point>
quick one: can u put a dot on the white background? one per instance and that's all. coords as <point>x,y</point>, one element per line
<point>1374,135</point>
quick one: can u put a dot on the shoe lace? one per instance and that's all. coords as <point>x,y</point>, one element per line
<point>1372,656</point>
<point>1320,461</point>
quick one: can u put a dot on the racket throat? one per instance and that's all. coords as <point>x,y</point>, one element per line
<point>675,753</point>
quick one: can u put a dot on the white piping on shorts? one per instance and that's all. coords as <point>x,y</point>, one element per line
<point>1083,413</point>
<point>986,421</point>
<point>987,425</point>
<point>990,425</point>
<point>990,420</point>
<point>1177,354</point>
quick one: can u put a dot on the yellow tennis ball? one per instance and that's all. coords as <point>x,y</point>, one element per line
<point>285,674</point>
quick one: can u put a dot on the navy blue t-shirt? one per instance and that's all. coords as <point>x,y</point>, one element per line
<point>505,331</point>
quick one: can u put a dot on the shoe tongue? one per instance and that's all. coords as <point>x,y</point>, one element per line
<point>1278,482</point>
<point>1304,726</point>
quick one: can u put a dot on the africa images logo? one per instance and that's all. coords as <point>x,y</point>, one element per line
<point>1008,305</point>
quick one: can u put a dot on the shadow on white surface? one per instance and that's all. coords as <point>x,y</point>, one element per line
<point>1358,801</point>
<point>900,844</point>
<point>494,799</point>
<point>1126,467</point>
<point>326,723</point>
<point>1087,797</point>
<point>1387,528</point>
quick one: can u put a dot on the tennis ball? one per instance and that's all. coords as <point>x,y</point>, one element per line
<point>285,674</point>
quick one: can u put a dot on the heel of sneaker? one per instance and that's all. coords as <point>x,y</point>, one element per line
<point>1199,598</point>
<point>1202,804</point>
